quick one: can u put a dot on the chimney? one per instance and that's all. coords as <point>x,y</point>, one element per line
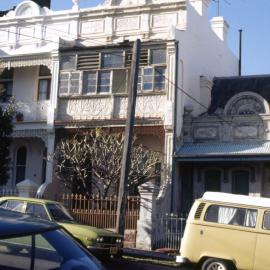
<point>220,27</point>
<point>43,3</point>
<point>201,6</point>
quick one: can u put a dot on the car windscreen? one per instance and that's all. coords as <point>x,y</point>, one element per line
<point>59,213</point>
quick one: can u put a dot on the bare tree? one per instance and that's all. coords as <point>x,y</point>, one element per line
<point>92,163</point>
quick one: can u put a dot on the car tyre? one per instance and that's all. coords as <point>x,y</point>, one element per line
<point>216,264</point>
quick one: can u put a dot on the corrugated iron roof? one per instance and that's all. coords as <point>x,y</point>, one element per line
<point>236,149</point>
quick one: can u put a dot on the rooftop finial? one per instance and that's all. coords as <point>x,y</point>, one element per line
<point>76,5</point>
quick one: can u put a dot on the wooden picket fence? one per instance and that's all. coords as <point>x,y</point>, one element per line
<point>101,212</point>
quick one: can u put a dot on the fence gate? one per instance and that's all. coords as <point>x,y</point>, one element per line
<point>168,231</point>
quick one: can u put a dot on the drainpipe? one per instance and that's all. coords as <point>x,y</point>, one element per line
<point>174,125</point>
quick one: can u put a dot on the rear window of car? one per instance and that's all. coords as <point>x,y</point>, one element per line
<point>14,205</point>
<point>231,215</point>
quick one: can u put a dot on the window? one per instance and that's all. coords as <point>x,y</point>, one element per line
<point>240,182</point>
<point>108,72</point>
<point>112,60</point>
<point>70,82</point>
<point>68,62</point>
<point>59,213</point>
<point>158,56</point>
<point>104,81</point>
<point>18,206</point>
<point>212,180</point>
<point>35,251</point>
<point>266,221</point>
<point>152,77</point>
<point>44,84</point>
<point>21,164</point>
<point>3,204</point>
<point>37,210</point>
<point>6,84</point>
<point>231,215</point>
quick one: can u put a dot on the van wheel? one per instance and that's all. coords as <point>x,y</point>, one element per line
<point>215,264</point>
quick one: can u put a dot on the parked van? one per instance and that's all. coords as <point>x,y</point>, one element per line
<point>227,232</point>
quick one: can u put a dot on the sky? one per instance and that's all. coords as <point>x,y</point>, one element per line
<point>249,15</point>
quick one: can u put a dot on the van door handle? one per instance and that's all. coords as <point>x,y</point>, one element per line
<point>201,232</point>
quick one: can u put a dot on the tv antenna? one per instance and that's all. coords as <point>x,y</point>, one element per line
<point>218,5</point>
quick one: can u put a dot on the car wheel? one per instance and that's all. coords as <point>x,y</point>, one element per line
<point>215,264</point>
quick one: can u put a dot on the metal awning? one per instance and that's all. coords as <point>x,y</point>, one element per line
<point>248,151</point>
<point>25,61</point>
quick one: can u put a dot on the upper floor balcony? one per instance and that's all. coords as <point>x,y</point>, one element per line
<point>93,84</point>
<point>110,107</point>
<point>30,88</point>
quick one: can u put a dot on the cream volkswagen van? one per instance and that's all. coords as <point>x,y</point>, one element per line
<point>227,232</point>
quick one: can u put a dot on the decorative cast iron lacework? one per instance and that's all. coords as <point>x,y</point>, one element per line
<point>245,104</point>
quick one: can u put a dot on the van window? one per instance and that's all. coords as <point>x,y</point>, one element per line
<point>231,215</point>
<point>266,221</point>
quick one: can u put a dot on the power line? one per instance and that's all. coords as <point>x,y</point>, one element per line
<point>179,88</point>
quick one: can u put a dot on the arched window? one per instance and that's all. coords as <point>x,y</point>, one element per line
<point>212,180</point>
<point>240,182</point>
<point>21,164</point>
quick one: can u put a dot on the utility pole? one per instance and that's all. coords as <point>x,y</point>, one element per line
<point>125,166</point>
<point>240,53</point>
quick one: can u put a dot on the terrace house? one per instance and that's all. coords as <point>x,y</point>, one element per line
<point>69,70</point>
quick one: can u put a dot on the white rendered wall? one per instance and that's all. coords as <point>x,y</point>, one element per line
<point>25,84</point>
<point>201,53</point>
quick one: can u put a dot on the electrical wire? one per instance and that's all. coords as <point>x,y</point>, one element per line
<point>169,81</point>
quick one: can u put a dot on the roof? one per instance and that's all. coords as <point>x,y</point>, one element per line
<point>251,150</point>
<point>236,199</point>
<point>14,224</point>
<point>27,199</point>
<point>226,87</point>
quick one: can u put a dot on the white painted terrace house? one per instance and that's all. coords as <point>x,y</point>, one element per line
<point>177,40</point>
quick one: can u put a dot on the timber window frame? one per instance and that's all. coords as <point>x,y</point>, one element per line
<point>44,83</point>
<point>152,72</point>
<point>70,82</point>
<point>107,72</point>
<point>6,84</point>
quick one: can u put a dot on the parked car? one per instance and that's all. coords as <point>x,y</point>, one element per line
<point>227,232</point>
<point>31,243</point>
<point>100,242</point>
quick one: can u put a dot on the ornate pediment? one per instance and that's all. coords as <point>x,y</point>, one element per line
<point>28,9</point>
<point>246,103</point>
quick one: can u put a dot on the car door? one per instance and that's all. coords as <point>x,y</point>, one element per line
<point>36,209</point>
<point>230,234</point>
<point>262,253</point>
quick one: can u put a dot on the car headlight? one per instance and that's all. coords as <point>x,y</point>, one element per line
<point>119,240</point>
<point>100,239</point>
